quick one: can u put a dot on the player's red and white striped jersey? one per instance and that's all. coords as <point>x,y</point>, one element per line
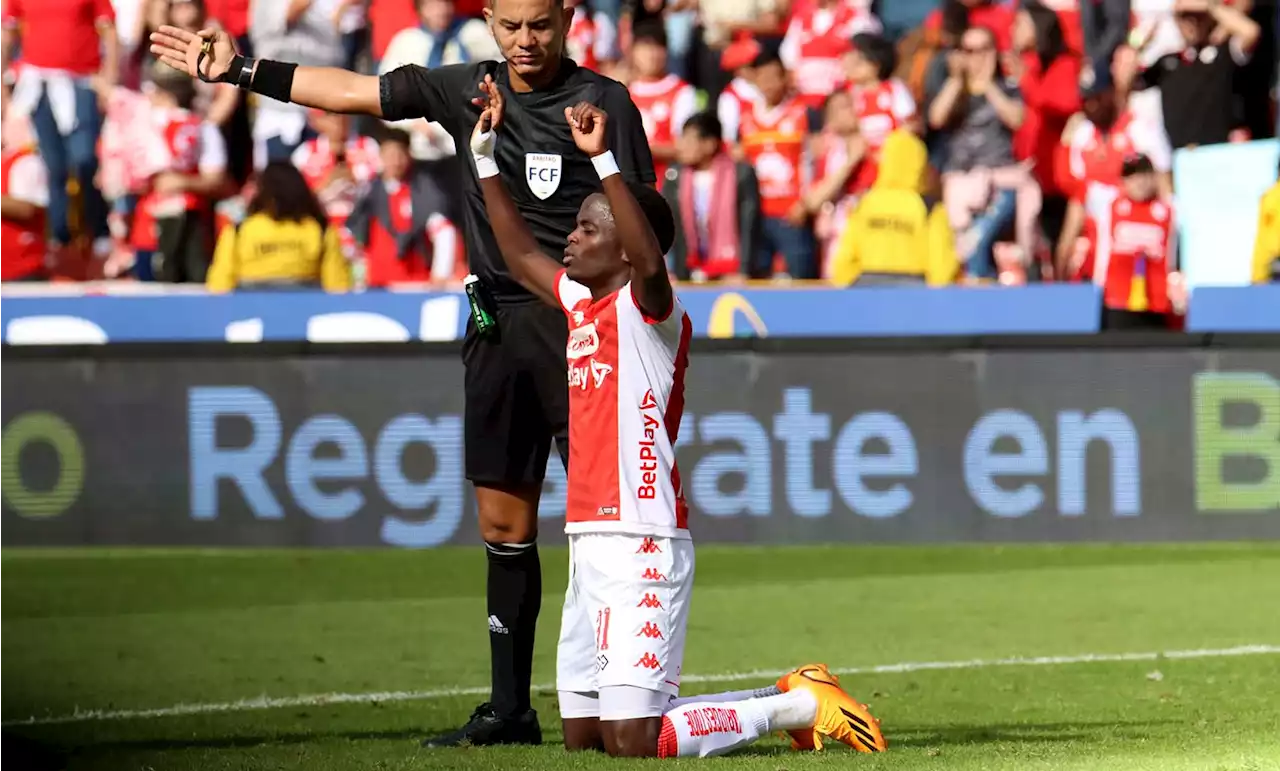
<point>774,139</point>
<point>881,109</point>
<point>816,39</point>
<point>664,106</point>
<point>591,38</point>
<point>1133,243</point>
<point>626,398</point>
<point>1094,159</point>
<point>187,145</point>
<point>738,99</point>
<point>315,159</point>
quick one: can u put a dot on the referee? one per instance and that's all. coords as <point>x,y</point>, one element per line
<point>516,381</point>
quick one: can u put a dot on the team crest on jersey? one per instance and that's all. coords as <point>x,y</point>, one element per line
<point>583,341</point>
<point>542,172</point>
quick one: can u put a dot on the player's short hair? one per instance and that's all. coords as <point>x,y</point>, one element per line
<point>395,136</point>
<point>657,212</point>
<point>651,30</point>
<point>706,124</point>
<point>879,51</point>
<point>767,57</point>
<point>178,85</point>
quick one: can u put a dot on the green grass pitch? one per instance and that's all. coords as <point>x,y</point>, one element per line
<point>133,630</point>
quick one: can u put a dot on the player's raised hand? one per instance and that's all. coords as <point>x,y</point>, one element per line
<point>180,49</point>
<point>492,105</point>
<point>587,122</point>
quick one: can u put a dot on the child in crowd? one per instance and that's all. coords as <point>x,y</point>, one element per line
<point>401,224</point>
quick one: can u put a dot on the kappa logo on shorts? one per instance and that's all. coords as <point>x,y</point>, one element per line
<point>649,546</point>
<point>651,630</point>
<point>651,574</point>
<point>649,661</point>
<point>649,601</point>
<point>583,341</point>
<point>542,172</point>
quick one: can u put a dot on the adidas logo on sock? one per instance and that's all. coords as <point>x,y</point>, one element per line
<point>495,626</point>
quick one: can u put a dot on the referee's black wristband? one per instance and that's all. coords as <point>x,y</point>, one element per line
<point>271,79</point>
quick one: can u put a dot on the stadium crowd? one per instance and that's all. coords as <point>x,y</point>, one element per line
<point>843,140</point>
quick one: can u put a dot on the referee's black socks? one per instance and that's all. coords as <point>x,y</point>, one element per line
<point>515,597</point>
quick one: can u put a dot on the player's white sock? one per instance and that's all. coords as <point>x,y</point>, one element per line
<point>703,729</point>
<point>756,693</point>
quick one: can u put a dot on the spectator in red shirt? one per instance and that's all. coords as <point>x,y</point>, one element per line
<point>24,199</point>
<point>70,57</point>
<point>1048,74</point>
<point>716,202</point>
<point>400,222</point>
<point>1133,253</point>
<point>386,19</point>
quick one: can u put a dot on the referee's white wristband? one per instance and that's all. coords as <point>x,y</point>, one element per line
<point>486,166</point>
<point>606,165</point>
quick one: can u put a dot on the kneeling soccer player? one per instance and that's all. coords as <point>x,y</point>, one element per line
<point>631,559</point>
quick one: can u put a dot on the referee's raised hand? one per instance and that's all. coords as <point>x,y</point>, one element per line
<point>587,123</point>
<point>181,49</point>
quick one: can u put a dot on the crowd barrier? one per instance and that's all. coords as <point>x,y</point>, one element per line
<point>1080,438</point>
<point>716,312</point>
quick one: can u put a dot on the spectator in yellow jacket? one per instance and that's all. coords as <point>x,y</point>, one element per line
<point>895,236</point>
<point>285,241</point>
<point>1266,247</point>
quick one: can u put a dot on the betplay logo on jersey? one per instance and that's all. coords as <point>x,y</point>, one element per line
<point>542,171</point>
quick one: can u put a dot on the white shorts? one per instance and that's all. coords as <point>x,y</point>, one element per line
<point>624,621</point>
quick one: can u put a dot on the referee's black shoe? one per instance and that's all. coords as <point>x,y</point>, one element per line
<point>487,727</point>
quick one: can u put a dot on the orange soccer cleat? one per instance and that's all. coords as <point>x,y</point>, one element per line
<point>840,716</point>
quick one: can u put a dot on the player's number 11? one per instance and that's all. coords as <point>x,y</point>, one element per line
<point>602,629</point>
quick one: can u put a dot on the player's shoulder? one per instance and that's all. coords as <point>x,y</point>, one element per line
<point>1078,131</point>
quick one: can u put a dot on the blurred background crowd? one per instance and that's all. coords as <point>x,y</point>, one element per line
<point>852,142</point>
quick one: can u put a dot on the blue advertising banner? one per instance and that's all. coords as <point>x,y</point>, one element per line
<point>1235,309</point>
<point>441,316</point>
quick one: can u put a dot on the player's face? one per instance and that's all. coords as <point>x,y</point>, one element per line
<point>858,68</point>
<point>395,159</point>
<point>648,60</point>
<point>1194,25</point>
<point>436,14</point>
<point>185,14</point>
<point>771,79</point>
<point>530,33</point>
<point>331,126</point>
<point>1024,32</point>
<point>1141,186</point>
<point>693,149</point>
<point>840,116</point>
<point>1100,109</point>
<point>593,255</point>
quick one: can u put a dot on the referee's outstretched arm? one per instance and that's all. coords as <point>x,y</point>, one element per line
<point>211,56</point>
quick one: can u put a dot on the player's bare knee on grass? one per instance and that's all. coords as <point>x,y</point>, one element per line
<point>634,738</point>
<point>508,514</point>
<point>582,734</point>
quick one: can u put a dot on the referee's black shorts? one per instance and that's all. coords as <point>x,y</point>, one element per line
<point>517,395</point>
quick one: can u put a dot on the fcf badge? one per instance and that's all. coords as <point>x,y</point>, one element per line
<point>542,172</point>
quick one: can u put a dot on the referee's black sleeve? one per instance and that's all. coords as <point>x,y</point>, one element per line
<point>628,140</point>
<point>417,92</point>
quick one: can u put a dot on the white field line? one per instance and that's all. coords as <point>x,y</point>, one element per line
<point>324,699</point>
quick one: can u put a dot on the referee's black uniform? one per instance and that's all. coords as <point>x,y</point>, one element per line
<point>516,387</point>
